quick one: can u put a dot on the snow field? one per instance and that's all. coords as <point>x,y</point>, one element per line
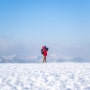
<point>48,76</point>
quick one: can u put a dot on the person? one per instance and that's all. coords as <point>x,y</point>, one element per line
<point>44,53</point>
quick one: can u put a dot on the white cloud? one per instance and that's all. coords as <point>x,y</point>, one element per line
<point>38,59</point>
<point>54,56</point>
<point>10,57</point>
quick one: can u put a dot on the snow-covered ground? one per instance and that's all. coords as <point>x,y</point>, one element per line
<point>48,76</point>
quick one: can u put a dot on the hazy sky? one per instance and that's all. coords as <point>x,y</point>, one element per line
<point>62,25</point>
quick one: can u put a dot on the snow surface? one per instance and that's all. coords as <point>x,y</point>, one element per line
<point>48,76</point>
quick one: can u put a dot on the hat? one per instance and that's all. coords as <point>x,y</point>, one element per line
<point>43,47</point>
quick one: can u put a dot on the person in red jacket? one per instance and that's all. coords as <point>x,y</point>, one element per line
<point>44,53</point>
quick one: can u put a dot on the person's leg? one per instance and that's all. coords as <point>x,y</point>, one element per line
<point>44,59</point>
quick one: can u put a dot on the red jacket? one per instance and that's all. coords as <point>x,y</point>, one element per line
<point>44,52</point>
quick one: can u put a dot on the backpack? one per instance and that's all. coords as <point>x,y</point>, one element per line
<point>47,49</point>
<point>42,51</point>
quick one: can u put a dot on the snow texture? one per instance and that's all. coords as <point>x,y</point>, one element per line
<point>48,76</point>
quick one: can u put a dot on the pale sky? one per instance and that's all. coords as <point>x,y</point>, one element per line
<point>62,25</point>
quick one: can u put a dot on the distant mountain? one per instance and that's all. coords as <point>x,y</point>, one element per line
<point>38,59</point>
<point>66,59</point>
<point>14,59</point>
